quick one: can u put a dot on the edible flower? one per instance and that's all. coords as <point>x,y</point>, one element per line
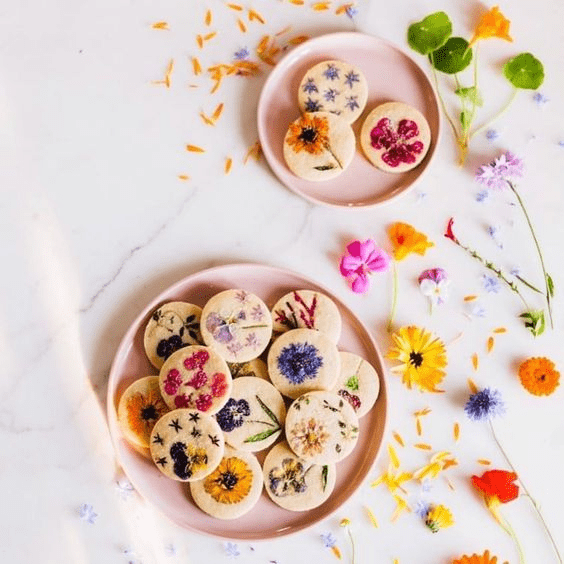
<point>477,559</point>
<point>406,240</point>
<point>492,24</point>
<point>538,376</point>
<point>484,404</point>
<point>362,259</point>
<point>438,517</point>
<point>497,487</point>
<point>434,284</point>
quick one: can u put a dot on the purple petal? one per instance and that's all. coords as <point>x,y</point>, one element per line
<point>360,284</point>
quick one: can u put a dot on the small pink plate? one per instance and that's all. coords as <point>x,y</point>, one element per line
<point>266,520</point>
<point>391,75</point>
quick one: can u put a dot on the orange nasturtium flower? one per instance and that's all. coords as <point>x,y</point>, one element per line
<point>497,487</point>
<point>476,559</point>
<point>539,376</point>
<point>492,24</point>
<point>406,240</point>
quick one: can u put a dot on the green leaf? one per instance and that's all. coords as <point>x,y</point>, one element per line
<point>324,473</point>
<point>267,410</point>
<point>534,322</point>
<point>472,94</point>
<point>454,56</point>
<point>430,33</point>
<point>352,383</point>
<point>261,436</point>
<point>550,284</point>
<point>465,116</point>
<point>524,71</point>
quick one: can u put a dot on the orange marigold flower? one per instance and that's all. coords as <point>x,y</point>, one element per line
<point>476,559</point>
<point>492,24</point>
<point>309,133</point>
<point>539,376</point>
<point>406,240</point>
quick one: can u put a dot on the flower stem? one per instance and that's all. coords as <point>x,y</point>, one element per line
<point>394,297</point>
<point>328,147</point>
<point>535,504</point>
<point>454,130</point>
<point>545,274</point>
<point>497,116</point>
<point>528,284</point>
<point>352,545</point>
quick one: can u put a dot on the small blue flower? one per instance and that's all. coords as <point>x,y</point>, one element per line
<point>329,540</point>
<point>231,549</point>
<point>540,99</point>
<point>86,513</point>
<point>493,232</point>
<point>515,271</point>
<point>124,488</point>
<point>482,196</point>
<point>299,361</point>
<point>351,78</point>
<point>421,508</point>
<point>561,143</point>
<point>330,94</point>
<point>491,284</point>
<point>170,550</point>
<point>310,86</point>
<point>331,72</point>
<point>478,311</point>
<point>426,485</point>
<point>232,414</point>
<point>242,55</point>
<point>312,105</point>
<point>485,404</point>
<point>352,103</point>
<point>492,134</point>
<point>351,11</point>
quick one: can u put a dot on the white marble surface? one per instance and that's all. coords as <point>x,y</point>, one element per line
<point>94,223</point>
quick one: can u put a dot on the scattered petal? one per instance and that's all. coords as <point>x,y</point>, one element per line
<point>235,7</point>
<point>254,151</point>
<point>183,177</point>
<point>371,517</point>
<point>482,196</point>
<point>456,432</point>
<point>472,386</point>
<point>255,16</point>
<point>500,330</point>
<point>484,461</point>
<point>208,18</point>
<point>195,149</point>
<point>242,54</point>
<point>400,507</point>
<point>228,165</point>
<point>470,298</point>
<point>475,361</point>
<point>393,457</point>
<point>540,99</point>
<point>160,25</point>
<point>86,513</point>
<point>232,550</point>
<point>423,446</point>
<point>321,6</point>
<point>491,283</point>
<point>398,438</point>
<point>490,344</point>
<point>242,25</point>
<point>196,67</point>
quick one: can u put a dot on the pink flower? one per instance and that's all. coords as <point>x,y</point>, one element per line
<point>172,382</point>
<point>196,360</point>
<point>183,401</point>
<point>363,259</point>
<point>203,402</point>
<point>198,380</point>
<point>219,385</point>
<point>500,171</point>
<point>398,150</point>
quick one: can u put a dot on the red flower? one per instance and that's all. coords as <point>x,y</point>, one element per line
<point>448,233</point>
<point>497,484</point>
<point>198,380</point>
<point>172,382</point>
<point>203,402</point>
<point>219,385</point>
<point>395,142</point>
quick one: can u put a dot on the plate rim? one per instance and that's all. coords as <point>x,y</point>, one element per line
<point>126,342</point>
<point>343,35</point>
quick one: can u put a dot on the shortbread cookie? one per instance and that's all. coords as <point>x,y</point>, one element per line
<point>336,87</point>
<point>307,309</point>
<point>186,445</point>
<point>255,367</point>
<point>139,408</point>
<point>232,489</point>
<point>319,146</point>
<point>358,383</point>
<point>237,324</point>
<point>321,427</point>
<point>296,484</point>
<point>171,327</point>
<point>395,137</point>
<point>195,377</point>
<point>303,360</point>
<point>253,417</point>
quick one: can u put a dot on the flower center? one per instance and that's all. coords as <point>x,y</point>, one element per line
<point>228,480</point>
<point>149,412</point>
<point>308,134</point>
<point>311,438</point>
<point>416,359</point>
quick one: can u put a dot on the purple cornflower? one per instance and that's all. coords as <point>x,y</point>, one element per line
<point>330,94</point>
<point>299,361</point>
<point>351,77</point>
<point>309,86</point>
<point>484,404</point>
<point>491,284</point>
<point>352,102</point>
<point>242,55</point>
<point>329,540</point>
<point>312,105</point>
<point>331,72</point>
<point>500,171</point>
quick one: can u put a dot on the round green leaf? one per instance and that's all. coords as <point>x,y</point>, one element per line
<point>524,71</point>
<point>454,56</point>
<point>430,33</point>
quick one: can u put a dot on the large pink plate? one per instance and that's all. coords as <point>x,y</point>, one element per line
<point>391,75</point>
<point>266,520</point>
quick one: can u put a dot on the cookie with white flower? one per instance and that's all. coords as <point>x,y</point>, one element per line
<point>186,445</point>
<point>253,417</point>
<point>296,484</point>
<point>319,146</point>
<point>358,383</point>
<point>255,367</point>
<point>321,427</point>
<point>307,309</point>
<point>232,489</point>
<point>395,137</point>
<point>303,360</point>
<point>195,377</point>
<point>171,327</point>
<point>237,325</point>
<point>139,408</point>
<point>336,87</point>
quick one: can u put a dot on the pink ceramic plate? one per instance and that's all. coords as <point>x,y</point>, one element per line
<point>391,75</point>
<point>266,520</point>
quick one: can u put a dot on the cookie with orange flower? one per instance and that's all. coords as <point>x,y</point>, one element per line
<point>539,376</point>
<point>477,559</point>
<point>232,489</point>
<point>139,408</point>
<point>319,146</point>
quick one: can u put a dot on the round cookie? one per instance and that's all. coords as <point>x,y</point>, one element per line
<point>237,324</point>
<point>232,489</point>
<point>307,309</point>
<point>139,408</point>
<point>293,483</point>
<point>336,87</point>
<point>358,383</point>
<point>321,427</point>
<point>195,377</point>
<point>395,137</point>
<point>186,445</point>
<point>253,417</point>
<point>255,367</point>
<point>171,327</point>
<point>303,360</point>
<point>319,146</point>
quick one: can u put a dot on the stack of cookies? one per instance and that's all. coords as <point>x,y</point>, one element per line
<point>236,378</point>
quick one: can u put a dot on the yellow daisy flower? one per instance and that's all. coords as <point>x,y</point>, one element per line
<point>438,517</point>
<point>230,482</point>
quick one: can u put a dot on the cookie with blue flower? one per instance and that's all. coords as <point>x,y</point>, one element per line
<point>336,87</point>
<point>303,360</point>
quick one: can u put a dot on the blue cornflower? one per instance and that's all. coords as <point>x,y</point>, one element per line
<point>351,102</point>
<point>331,72</point>
<point>540,99</point>
<point>351,78</point>
<point>242,55</point>
<point>299,361</point>
<point>485,404</point>
<point>351,11</point>
<point>86,513</point>
<point>310,86</point>
<point>231,549</point>
<point>312,105</point>
<point>329,540</point>
<point>491,284</point>
<point>482,196</point>
<point>330,94</point>
<point>491,134</point>
<point>232,414</point>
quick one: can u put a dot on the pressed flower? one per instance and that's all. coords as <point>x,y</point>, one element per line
<point>484,404</point>
<point>363,258</point>
<point>233,414</point>
<point>143,411</point>
<point>434,284</point>
<point>492,24</point>
<point>230,482</point>
<point>476,559</point>
<point>310,134</point>
<point>396,141</point>
<point>497,486</point>
<point>539,376</point>
<point>308,437</point>
<point>406,240</point>
<point>422,357</point>
<point>438,517</point>
<point>288,479</point>
<point>298,362</point>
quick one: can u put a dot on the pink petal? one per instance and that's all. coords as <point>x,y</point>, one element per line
<point>366,249</point>
<point>360,284</point>
<point>349,265</point>
<point>378,261</point>
<point>354,248</point>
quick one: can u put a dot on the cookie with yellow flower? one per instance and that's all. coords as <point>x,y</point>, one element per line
<point>232,489</point>
<point>319,146</point>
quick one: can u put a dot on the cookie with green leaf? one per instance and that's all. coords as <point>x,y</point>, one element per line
<point>253,417</point>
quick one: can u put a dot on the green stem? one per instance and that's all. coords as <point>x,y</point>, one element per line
<point>394,296</point>
<point>509,530</point>
<point>528,284</point>
<point>497,116</point>
<point>443,106</point>
<point>545,274</point>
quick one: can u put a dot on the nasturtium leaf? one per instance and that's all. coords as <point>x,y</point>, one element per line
<point>524,71</point>
<point>454,56</point>
<point>430,33</point>
<point>470,93</point>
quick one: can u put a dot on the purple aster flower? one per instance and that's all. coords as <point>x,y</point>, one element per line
<point>540,99</point>
<point>331,72</point>
<point>329,540</point>
<point>500,171</point>
<point>482,196</point>
<point>330,94</point>
<point>309,87</point>
<point>352,102</point>
<point>86,513</point>
<point>351,77</point>
<point>485,404</point>
<point>312,105</point>
<point>231,549</point>
<point>242,55</point>
<point>492,134</point>
<point>299,361</point>
<point>491,284</point>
